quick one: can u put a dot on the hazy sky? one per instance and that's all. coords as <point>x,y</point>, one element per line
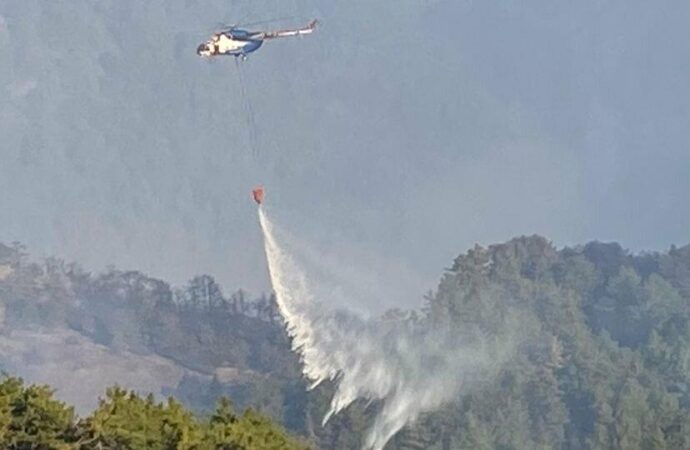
<point>399,135</point>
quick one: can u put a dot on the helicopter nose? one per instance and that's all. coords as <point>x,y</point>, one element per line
<point>200,49</point>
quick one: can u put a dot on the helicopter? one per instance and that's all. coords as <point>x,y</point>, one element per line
<point>240,43</point>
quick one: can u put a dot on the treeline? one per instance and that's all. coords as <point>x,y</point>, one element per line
<point>604,355</point>
<point>236,345</point>
<point>31,418</point>
<point>602,361</point>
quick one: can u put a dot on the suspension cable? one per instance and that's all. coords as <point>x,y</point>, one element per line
<point>249,112</point>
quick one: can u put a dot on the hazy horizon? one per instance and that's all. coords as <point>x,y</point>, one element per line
<point>397,136</point>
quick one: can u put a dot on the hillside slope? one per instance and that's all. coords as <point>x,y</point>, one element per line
<point>602,361</point>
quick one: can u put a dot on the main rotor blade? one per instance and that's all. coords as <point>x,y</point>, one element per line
<point>264,22</point>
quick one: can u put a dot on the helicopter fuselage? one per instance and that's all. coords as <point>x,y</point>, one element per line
<point>238,43</point>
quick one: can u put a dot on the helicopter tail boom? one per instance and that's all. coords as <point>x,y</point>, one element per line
<point>287,33</point>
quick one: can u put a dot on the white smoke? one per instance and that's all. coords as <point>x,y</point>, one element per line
<point>409,369</point>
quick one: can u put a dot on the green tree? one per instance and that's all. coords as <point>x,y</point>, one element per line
<point>125,420</point>
<point>250,431</point>
<point>30,418</point>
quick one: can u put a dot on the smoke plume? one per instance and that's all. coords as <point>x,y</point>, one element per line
<point>409,368</point>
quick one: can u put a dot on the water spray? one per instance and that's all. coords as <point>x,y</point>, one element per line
<point>407,369</point>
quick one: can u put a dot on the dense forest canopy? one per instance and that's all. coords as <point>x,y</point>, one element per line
<point>31,418</point>
<point>602,361</point>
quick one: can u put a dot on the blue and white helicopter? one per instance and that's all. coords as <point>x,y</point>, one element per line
<point>239,43</point>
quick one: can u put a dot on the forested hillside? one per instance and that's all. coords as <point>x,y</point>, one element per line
<point>602,361</point>
<point>197,342</point>
<point>607,361</point>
